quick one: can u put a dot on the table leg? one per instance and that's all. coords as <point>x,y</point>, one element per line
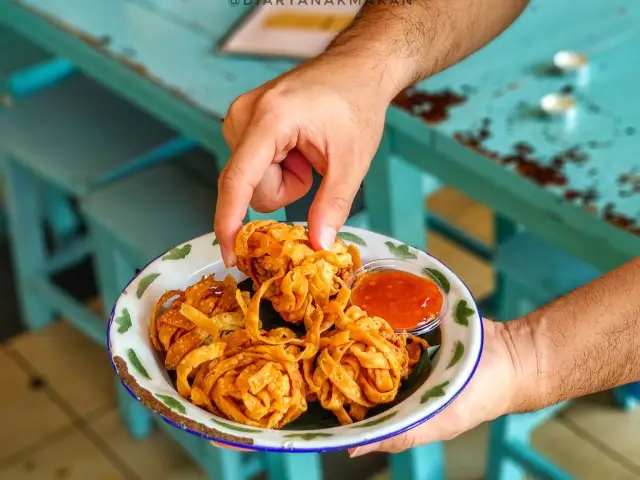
<point>28,250</point>
<point>134,415</point>
<point>293,466</point>
<point>628,396</point>
<point>113,276</point>
<point>221,463</point>
<point>419,463</point>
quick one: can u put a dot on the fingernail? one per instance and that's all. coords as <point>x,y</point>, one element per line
<point>230,260</point>
<point>327,238</point>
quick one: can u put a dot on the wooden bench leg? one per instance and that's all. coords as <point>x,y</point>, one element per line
<point>293,466</point>
<point>419,463</point>
<point>499,465</point>
<point>111,280</point>
<point>628,396</point>
<point>61,217</point>
<point>513,302</point>
<point>28,250</point>
<point>221,463</point>
<point>510,454</point>
<point>217,463</point>
<point>134,415</point>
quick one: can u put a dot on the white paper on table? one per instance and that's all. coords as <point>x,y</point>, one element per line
<point>291,29</point>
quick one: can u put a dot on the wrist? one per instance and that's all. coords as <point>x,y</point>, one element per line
<point>369,73</point>
<point>373,55</point>
<point>530,389</point>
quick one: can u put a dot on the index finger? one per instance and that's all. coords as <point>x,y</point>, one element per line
<point>254,153</point>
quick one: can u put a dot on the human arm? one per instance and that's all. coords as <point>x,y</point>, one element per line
<point>406,44</point>
<point>328,113</point>
<point>584,342</point>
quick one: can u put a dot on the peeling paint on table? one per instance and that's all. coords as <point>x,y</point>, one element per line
<point>170,43</point>
<point>488,104</point>
<point>589,157</point>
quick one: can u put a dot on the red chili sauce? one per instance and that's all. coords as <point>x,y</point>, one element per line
<point>404,300</point>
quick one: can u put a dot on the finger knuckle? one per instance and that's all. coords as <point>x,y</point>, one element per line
<point>229,178</point>
<point>340,204</point>
<point>272,101</point>
<point>237,106</point>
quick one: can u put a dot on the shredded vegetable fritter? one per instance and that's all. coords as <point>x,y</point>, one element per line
<point>211,336</point>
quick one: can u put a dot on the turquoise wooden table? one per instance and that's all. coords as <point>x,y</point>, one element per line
<point>157,54</point>
<point>572,179</point>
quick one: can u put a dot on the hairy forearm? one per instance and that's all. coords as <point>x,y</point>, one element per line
<point>404,43</point>
<point>584,342</point>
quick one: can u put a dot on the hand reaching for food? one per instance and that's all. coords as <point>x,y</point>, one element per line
<point>321,117</point>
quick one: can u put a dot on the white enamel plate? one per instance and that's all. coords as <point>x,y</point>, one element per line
<point>433,384</point>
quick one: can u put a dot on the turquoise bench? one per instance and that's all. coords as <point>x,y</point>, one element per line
<point>133,221</point>
<point>52,142</point>
<point>26,69</point>
<point>57,149</point>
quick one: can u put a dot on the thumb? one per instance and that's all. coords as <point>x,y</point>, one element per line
<point>331,206</point>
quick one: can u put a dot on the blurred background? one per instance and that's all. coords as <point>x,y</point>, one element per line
<point>110,147</point>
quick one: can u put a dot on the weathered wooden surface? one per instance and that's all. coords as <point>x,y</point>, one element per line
<point>488,104</point>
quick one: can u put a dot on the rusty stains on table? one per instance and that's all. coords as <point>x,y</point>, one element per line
<point>102,43</point>
<point>523,159</point>
<point>432,107</point>
<point>176,92</point>
<point>629,184</point>
<point>135,66</point>
<point>621,221</point>
<point>585,198</point>
<point>99,43</point>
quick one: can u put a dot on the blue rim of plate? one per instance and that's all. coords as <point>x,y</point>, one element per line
<point>230,443</point>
